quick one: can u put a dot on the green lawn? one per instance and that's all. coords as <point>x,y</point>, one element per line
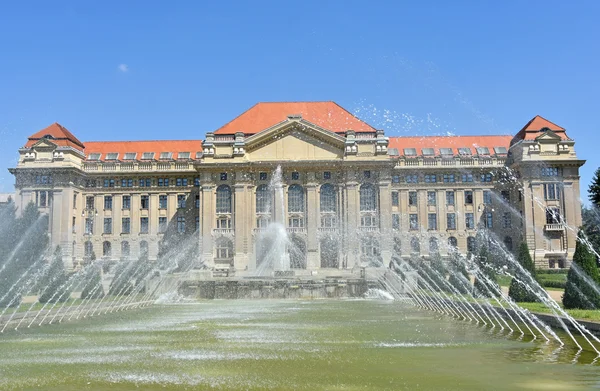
<point>591,315</point>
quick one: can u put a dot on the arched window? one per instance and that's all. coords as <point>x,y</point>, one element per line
<point>328,198</point>
<point>508,243</point>
<point>452,243</point>
<point>106,249</point>
<point>223,199</point>
<point>296,199</point>
<point>263,199</point>
<point>433,246</point>
<point>125,249</point>
<point>368,198</point>
<point>471,244</point>
<point>88,249</point>
<point>224,247</point>
<point>415,246</point>
<point>143,248</point>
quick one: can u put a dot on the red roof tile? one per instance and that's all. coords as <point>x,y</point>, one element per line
<point>139,147</point>
<point>328,115</point>
<point>453,142</point>
<point>533,128</point>
<point>58,135</point>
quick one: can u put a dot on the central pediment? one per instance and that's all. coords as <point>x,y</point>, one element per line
<point>295,140</point>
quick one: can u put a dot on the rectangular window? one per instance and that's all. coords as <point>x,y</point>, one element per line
<point>553,216</point>
<point>412,178</point>
<point>395,199</point>
<point>327,175</point>
<point>467,177</point>
<point>223,176</point>
<point>126,225</point>
<point>197,223</point>
<point>295,175</point>
<point>43,179</point>
<point>163,182</point>
<point>162,225</point>
<point>368,221</point>
<point>412,198</point>
<point>73,225</point>
<point>431,199</point>
<point>43,198</point>
<point>126,202</point>
<point>197,201</point>
<point>549,171</point>
<point>145,202</point>
<point>143,225</point>
<point>430,178</point>
<point>468,197</point>
<point>469,221</point>
<point>486,177</point>
<point>108,225</point>
<point>145,182</point>
<point>196,181</point>
<point>451,220</point>
<point>396,221</point>
<point>367,174</point>
<point>431,221</point>
<point>182,182</point>
<point>487,197</point>
<point>75,201</point>
<point>263,176</point>
<point>395,178</point>
<point>89,202</point>
<point>450,197</point>
<point>296,222</point>
<point>126,182</point>
<point>552,191</point>
<point>505,195</point>
<point>181,200</point>
<point>489,220</point>
<point>506,220</point>
<point>413,221</point>
<point>263,222</point>
<point>180,224</point>
<point>89,226</point>
<point>449,178</point>
<point>109,183</point>
<point>224,223</point>
<point>162,201</point>
<point>108,202</point>
<point>328,221</point>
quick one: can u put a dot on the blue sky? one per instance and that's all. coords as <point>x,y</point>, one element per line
<point>133,70</point>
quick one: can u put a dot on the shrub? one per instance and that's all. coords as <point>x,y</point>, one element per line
<point>91,290</point>
<point>578,292</point>
<point>517,291</point>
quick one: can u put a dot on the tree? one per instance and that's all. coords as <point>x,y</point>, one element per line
<point>591,227</point>
<point>517,291</point>
<point>485,266</point>
<point>54,286</point>
<point>459,276</point>
<point>594,189</point>
<point>93,288</point>
<point>579,292</point>
<point>437,273</point>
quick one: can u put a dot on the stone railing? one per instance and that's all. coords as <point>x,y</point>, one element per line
<point>327,230</point>
<point>141,166</point>
<point>223,231</point>
<point>554,227</point>
<point>296,230</point>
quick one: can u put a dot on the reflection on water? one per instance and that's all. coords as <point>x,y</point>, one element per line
<point>325,344</point>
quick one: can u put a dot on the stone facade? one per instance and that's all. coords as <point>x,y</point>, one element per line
<point>350,193</point>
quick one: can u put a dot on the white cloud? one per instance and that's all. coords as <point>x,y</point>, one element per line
<point>123,68</point>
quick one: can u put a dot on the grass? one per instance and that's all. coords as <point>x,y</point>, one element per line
<point>591,315</point>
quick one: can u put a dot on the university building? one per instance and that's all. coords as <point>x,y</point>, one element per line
<point>350,194</point>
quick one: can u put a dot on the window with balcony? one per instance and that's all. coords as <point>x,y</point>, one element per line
<point>223,199</point>
<point>296,222</point>
<point>328,198</point>
<point>553,215</point>
<point>328,221</point>
<point>296,199</point>
<point>223,223</point>
<point>263,222</point>
<point>368,221</point>
<point>368,198</point>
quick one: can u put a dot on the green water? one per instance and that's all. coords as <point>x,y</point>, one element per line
<point>301,345</point>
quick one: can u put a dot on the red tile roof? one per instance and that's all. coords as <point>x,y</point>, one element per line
<point>139,147</point>
<point>328,115</point>
<point>58,135</point>
<point>454,142</point>
<point>533,129</point>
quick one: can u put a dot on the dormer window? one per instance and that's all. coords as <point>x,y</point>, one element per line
<point>130,155</point>
<point>94,156</point>
<point>500,150</point>
<point>148,156</point>
<point>48,136</point>
<point>464,151</point>
<point>544,130</point>
<point>483,151</point>
<point>428,151</point>
<point>410,152</point>
<point>199,155</point>
<point>446,152</point>
<point>166,155</point>
<point>112,156</point>
<point>183,155</point>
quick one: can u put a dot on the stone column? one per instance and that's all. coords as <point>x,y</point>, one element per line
<point>241,217</point>
<point>207,221</point>
<point>385,221</point>
<point>312,245</point>
<point>352,212</point>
